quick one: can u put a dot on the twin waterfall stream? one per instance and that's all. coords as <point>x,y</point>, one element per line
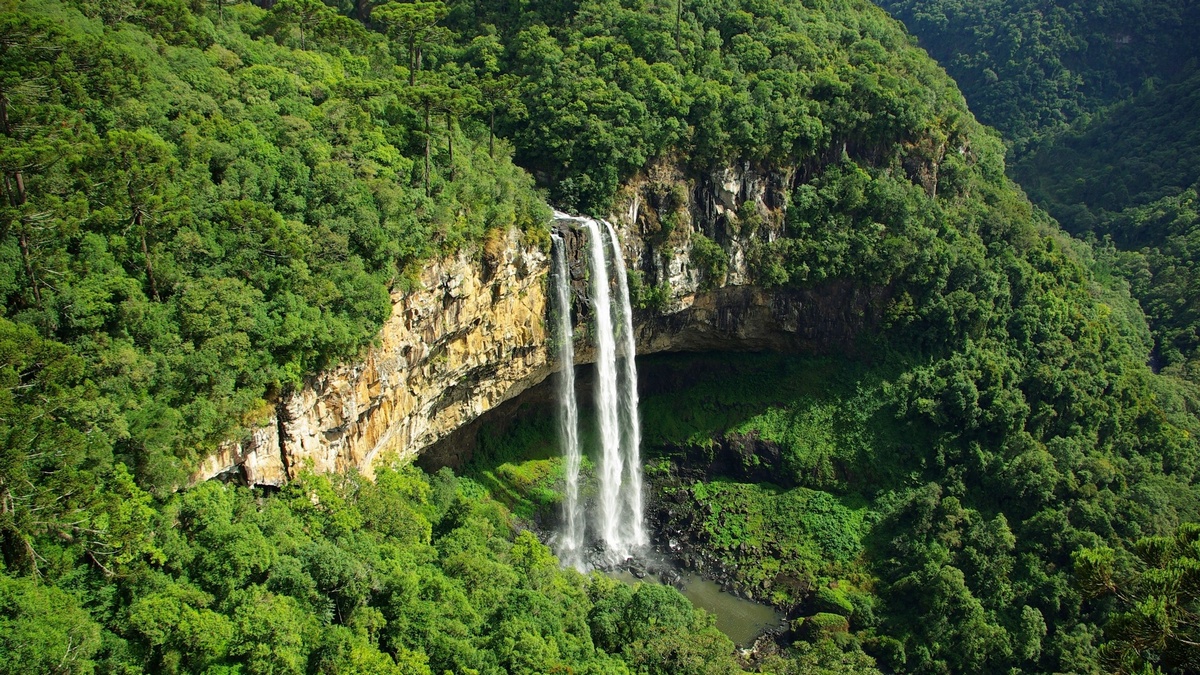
<point>618,519</point>
<point>607,531</point>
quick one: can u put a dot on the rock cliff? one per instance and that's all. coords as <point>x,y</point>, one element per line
<point>473,334</point>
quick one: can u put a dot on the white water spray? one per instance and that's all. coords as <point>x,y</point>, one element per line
<point>619,514</point>
<point>634,530</point>
<point>606,394</point>
<point>572,542</point>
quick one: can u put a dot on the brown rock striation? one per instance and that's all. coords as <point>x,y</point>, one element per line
<point>474,335</point>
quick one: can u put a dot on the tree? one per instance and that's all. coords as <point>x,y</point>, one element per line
<point>310,17</point>
<point>498,93</point>
<point>44,486</point>
<point>678,21</point>
<point>272,633</point>
<point>1157,591</point>
<point>43,630</point>
<point>457,101</point>
<point>142,170</point>
<point>415,24</point>
<point>34,135</point>
<point>426,96</point>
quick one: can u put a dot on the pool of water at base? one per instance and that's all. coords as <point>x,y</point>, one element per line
<point>742,620</point>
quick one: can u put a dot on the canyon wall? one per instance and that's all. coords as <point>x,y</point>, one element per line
<point>474,333</point>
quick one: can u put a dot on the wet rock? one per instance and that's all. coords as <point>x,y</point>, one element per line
<point>672,578</point>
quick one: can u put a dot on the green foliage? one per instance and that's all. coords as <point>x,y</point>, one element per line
<point>653,298</point>
<point>776,543</point>
<point>824,418</point>
<point>711,259</point>
<point>341,574</point>
<point>822,624</point>
<point>1157,592</point>
<point>1130,176</point>
<point>605,87</point>
<point>198,215</point>
<point>520,463</point>
<point>833,601</point>
<point>1099,101</point>
<point>1132,155</point>
<point>207,213</point>
<point>43,629</point>
<point>656,629</point>
<point>1030,67</point>
<point>974,495</point>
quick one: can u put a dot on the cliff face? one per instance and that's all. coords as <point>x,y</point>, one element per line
<point>662,215</point>
<point>474,334</point>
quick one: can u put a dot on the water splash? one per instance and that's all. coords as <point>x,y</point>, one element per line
<point>634,531</point>
<point>571,544</point>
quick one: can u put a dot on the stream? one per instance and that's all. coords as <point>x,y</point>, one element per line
<point>740,619</point>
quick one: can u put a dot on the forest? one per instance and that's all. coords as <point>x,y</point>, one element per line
<point>204,203</point>
<point>1097,102</point>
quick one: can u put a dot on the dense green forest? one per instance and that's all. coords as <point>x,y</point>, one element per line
<point>1100,101</point>
<point>1031,68</point>
<point>1129,178</point>
<point>206,202</point>
<point>207,212</point>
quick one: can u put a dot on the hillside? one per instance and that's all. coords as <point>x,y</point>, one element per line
<point>206,205</point>
<point>1130,176</point>
<point>1100,103</point>
<point>1033,68</point>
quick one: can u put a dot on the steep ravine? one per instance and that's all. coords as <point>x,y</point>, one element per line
<point>474,334</point>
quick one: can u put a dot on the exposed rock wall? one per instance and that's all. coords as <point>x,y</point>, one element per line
<point>474,334</point>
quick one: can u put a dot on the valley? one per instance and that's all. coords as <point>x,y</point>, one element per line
<point>307,369</point>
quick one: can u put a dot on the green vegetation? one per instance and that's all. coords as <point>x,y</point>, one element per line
<point>1136,153</point>
<point>1030,68</point>
<point>1099,100</point>
<point>343,575</point>
<point>936,527</point>
<point>602,87</point>
<point>1130,177</point>
<point>778,542</point>
<point>1157,592</point>
<point>711,259</point>
<point>521,465</point>
<point>203,204</point>
<point>207,208</point>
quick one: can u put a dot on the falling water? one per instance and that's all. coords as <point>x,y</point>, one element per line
<point>606,394</point>
<point>619,517</point>
<point>571,544</point>
<point>631,439</point>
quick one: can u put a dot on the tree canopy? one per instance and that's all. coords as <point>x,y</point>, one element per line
<point>204,205</point>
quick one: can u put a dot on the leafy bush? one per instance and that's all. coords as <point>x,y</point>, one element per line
<point>710,259</point>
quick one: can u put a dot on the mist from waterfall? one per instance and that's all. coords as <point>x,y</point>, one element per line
<point>572,542</point>
<point>619,504</point>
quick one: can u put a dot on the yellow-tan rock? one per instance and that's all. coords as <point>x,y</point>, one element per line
<point>473,335</point>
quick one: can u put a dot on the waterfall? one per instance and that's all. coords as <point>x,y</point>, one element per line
<point>607,412</point>
<point>631,441</point>
<point>619,515</point>
<point>572,542</point>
